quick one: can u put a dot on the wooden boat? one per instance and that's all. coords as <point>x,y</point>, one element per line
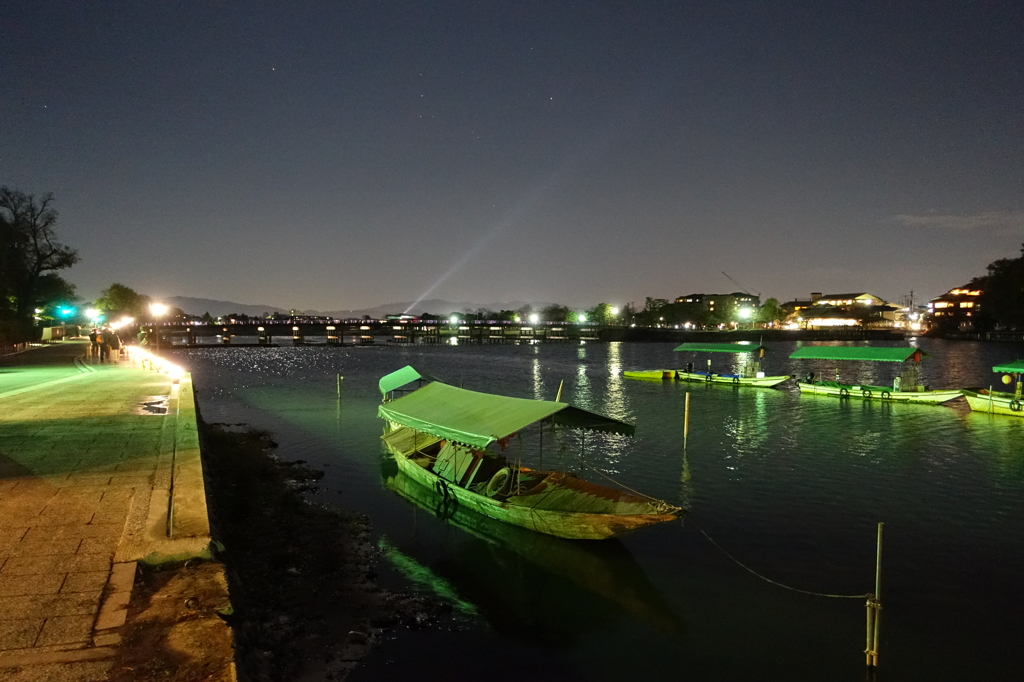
<point>449,439</point>
<point>500,551</point>
<point>656,374</point>
<point>906,387</point>
<point>750,373</point>
<point>1000,402</point>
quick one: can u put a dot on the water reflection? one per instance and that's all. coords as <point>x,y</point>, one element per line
<point>531,586</point>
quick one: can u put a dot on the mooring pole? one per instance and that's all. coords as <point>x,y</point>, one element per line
<point>558,397</point>
<point>878,596</point>
<point>339,386</point>
<point>686,420</point>
<point>874,608</point>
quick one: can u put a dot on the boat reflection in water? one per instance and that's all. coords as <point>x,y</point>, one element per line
<point>533,586</point>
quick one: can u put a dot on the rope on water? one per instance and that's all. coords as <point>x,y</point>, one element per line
<point>624,487</point>
<point>794,589</point>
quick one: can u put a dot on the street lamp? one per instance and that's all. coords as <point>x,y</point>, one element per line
<point>534,318</point>
<point>158,310</point>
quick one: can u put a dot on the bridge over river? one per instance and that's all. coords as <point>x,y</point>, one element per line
<point>369,332</point>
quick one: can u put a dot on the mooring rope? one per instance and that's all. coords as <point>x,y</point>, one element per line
<point>624,487</point>
<point>773,582</point>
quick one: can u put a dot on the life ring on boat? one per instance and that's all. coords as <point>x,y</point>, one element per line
<point>499,483</point>
<point>866,393</point>
<point>886,395</point>
<point>844,393</point>
<point>1015,405</point>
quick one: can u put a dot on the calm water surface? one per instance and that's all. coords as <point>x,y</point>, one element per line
<point>791,486</point>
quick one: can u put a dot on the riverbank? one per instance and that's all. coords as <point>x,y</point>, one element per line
<point>301,576</point>
<point>100,478</point>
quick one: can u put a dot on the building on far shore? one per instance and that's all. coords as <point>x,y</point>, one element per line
<point>722,304</point>
<point>955,310</point>
<point>859,309</point>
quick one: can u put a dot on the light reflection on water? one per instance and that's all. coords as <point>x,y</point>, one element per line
<point>792,485</point>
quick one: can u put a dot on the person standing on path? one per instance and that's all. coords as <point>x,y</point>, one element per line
<point>104,341</point>
<point>114,341</point>
<point>94,343</point>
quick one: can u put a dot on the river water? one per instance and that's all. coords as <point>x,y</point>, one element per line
<point>791,486</point>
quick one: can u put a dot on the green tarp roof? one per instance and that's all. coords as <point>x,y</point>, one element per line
<point>478,419</point>
<point>738,347</point>
<point>397,379</point>
<point>1012,367</point>
<point>871,353</point>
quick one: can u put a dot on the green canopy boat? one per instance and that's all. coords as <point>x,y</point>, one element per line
<point>906,387</point>
<point>1000,402</point>
<point>450,440</point>
<point>749,374</point>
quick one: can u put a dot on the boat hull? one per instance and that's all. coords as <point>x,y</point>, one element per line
<point>659,374</point>
<point>995,403</point>
<point>569,525</point>
<point>877,393</point>
<point>697,377</point>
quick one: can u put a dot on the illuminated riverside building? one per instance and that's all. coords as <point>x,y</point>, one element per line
<point>957,309</point>
<point>859,309</point>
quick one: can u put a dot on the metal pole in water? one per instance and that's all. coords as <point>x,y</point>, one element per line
<point>558,397</point>
<point>870,629</point>
<point>990,408</point>
<point>339,386</point>
<point>686,420</point>
<point>878,597</point>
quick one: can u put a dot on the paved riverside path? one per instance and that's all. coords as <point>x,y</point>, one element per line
<point>99,469</point>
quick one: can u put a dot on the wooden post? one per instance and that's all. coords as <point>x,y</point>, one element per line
<point>686,420</point>
<point>990,408</point>
<point>874,608</point>
<point>558,397</point>
<point>878,596</point>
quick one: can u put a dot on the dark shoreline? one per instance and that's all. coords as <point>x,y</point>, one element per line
<point>301,576</point>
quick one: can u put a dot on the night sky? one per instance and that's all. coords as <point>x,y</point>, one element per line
<point>340,155</point>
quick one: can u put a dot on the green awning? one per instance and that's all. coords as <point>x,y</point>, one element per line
<point>478,419</point>
<point>737,347</point>
<point>870,353</point>
<point>399,378</point>
<point>1014,367</point>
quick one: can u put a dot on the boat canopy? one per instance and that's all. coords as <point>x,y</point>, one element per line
<point>1014,367</point>
<point>737,347</point>
<point>399,378</point>
<point>870,353</point>
<point>479,419</point>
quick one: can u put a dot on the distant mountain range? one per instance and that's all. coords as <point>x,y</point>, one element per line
<point>199,306</point>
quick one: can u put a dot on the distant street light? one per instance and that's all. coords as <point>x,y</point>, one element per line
<point>157,310</point>
<point>534,318</point>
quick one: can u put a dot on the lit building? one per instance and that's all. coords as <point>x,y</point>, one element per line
<point>859,309</point>
<point>723,304</point>
<point>957,309</point>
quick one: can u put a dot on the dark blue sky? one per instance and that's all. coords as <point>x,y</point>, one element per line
<point>345,154</point>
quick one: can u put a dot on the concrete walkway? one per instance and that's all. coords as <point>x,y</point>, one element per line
<point>99,470</point>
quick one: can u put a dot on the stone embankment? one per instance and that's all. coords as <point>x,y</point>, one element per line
<point>101,480</point>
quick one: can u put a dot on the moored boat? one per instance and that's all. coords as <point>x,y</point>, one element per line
<point>450,440</point>
<point>657,374</point>
<point>1000,402</point>
<point>749,374</point>
<point>906,387</point>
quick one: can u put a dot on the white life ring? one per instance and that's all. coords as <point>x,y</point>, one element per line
<point>500,483</point>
